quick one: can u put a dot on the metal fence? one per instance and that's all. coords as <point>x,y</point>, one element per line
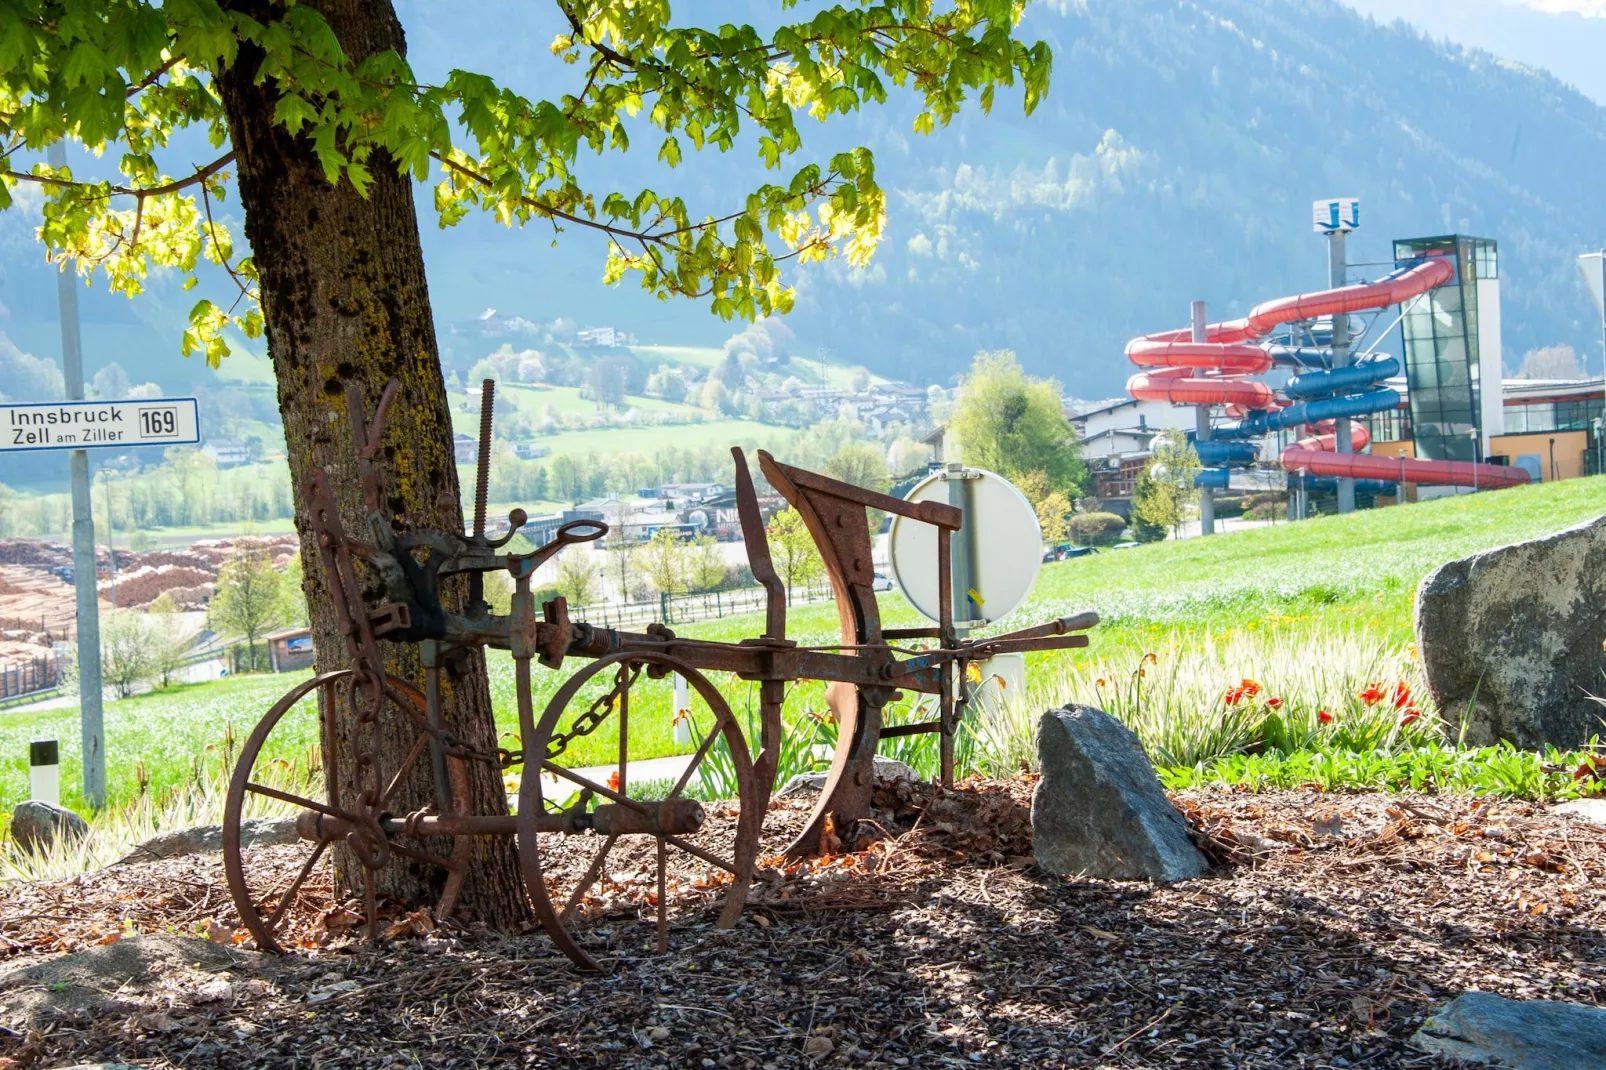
<point>19,678</point>
<point>686,608</point>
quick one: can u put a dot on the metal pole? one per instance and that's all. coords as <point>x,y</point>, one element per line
<point>111,550</point>
<point>91,722</point>
<point>1207,498</point>
<point>1337,275</point>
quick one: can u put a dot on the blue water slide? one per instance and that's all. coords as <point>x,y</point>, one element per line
<point>1321,384</point>
<point>1329,484</point>
<point>1309,412</point>
<point>1226,453</point>
<point>1214,478</point>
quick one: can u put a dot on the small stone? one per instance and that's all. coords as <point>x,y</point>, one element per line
<point>219,991</point>
<point>1099,810</point>
<point>887,771</point>
<point>35,825</point>
<point>815,1047</point>
<point>1536,1034</point>
<point>1511,639</point>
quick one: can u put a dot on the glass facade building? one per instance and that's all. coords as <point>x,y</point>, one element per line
<point>1440,335</point>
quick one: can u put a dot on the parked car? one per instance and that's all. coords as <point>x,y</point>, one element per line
<point>880,583</point>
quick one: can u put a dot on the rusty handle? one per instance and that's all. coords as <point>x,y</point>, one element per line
<point>482,476</point>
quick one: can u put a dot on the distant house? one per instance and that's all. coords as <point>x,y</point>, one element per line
<point>465,449</point>
<point>690,492</point>
<point>529,451</point>
<point>606,337</point>
<point>1131,413</point>
<point>290,649</point>
<point>226,452</point>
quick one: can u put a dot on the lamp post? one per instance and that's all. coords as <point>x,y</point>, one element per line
<point>91,722</point>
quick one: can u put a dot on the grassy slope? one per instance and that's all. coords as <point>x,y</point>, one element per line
<point>1358,571</point>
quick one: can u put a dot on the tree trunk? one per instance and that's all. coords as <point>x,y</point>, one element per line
<point>344,300</point>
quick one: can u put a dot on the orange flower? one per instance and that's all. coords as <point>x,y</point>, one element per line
<point>1324,717</point>
<point>1411,714</point>
<point>1273,703</point>
<point>1373,694</point>
<point>1402,695</point>
<point>1250,688</point>
<point>613,780</point>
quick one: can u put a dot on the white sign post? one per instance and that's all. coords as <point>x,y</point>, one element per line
<point>88,425</point>
<point>1592,266</point>
<point>78,426</point>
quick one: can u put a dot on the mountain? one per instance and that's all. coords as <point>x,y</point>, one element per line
<point>1554,36</point>
<point>1174,159</point>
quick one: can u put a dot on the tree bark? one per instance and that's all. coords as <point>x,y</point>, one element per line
<point>344,299</point>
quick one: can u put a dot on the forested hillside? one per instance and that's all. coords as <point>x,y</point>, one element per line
<point>1175,158</point>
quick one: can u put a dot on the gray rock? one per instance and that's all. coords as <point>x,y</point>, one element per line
<point>1099,810</point>
<point>1591,810</point>
<point>110,979</point>
<point>1529,1035</point>
<point>35,825</point>
<point>886,770</point>
<point>254,832</point>
<point>1511,639</point>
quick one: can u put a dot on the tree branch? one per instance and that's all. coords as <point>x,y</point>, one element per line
<point>200,175</point>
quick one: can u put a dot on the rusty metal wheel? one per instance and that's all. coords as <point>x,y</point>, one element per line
<point>271,904</point>
<point>613,815</point>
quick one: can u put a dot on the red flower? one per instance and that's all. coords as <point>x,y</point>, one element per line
<point>1402,695</point>
<point>1273,703</point>
<point>1233,696</point>
<point>1411,714</point>
<point>1324,717</point>
<point>613,780</point>
<point>1373,694</point>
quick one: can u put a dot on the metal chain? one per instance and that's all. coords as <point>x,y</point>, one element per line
<point>589,721</point>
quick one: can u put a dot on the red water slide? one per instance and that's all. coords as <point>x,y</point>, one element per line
<point>1228,349</point>
<point>1316,462</point>
<point>1230,353</point>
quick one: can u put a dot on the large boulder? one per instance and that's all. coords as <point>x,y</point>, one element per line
<point>35,825</point>
<point>1477,1027</point>
<point>1099,810</point>
<point>254,832</point>
<point>1512,639</point>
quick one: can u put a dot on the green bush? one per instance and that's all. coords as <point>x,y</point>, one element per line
<point>1093,529</point>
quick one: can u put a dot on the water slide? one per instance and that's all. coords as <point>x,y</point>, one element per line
<point>1213,372</point>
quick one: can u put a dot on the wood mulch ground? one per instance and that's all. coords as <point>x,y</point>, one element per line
<point>1332,926</point>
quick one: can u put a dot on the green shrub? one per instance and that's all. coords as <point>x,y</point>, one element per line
<point>1094,529</point>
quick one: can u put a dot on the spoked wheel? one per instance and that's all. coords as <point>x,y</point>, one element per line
<point>633,829</point>
<point>286,893</point>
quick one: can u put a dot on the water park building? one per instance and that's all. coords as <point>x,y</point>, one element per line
<point>1296,396</point>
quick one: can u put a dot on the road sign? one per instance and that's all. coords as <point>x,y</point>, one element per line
<point>1336,215</point>
<point>88,425</point>
<point>1001,532</point>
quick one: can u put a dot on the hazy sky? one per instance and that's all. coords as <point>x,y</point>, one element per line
<point>1565,37</point>
<point>1447,8</point>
